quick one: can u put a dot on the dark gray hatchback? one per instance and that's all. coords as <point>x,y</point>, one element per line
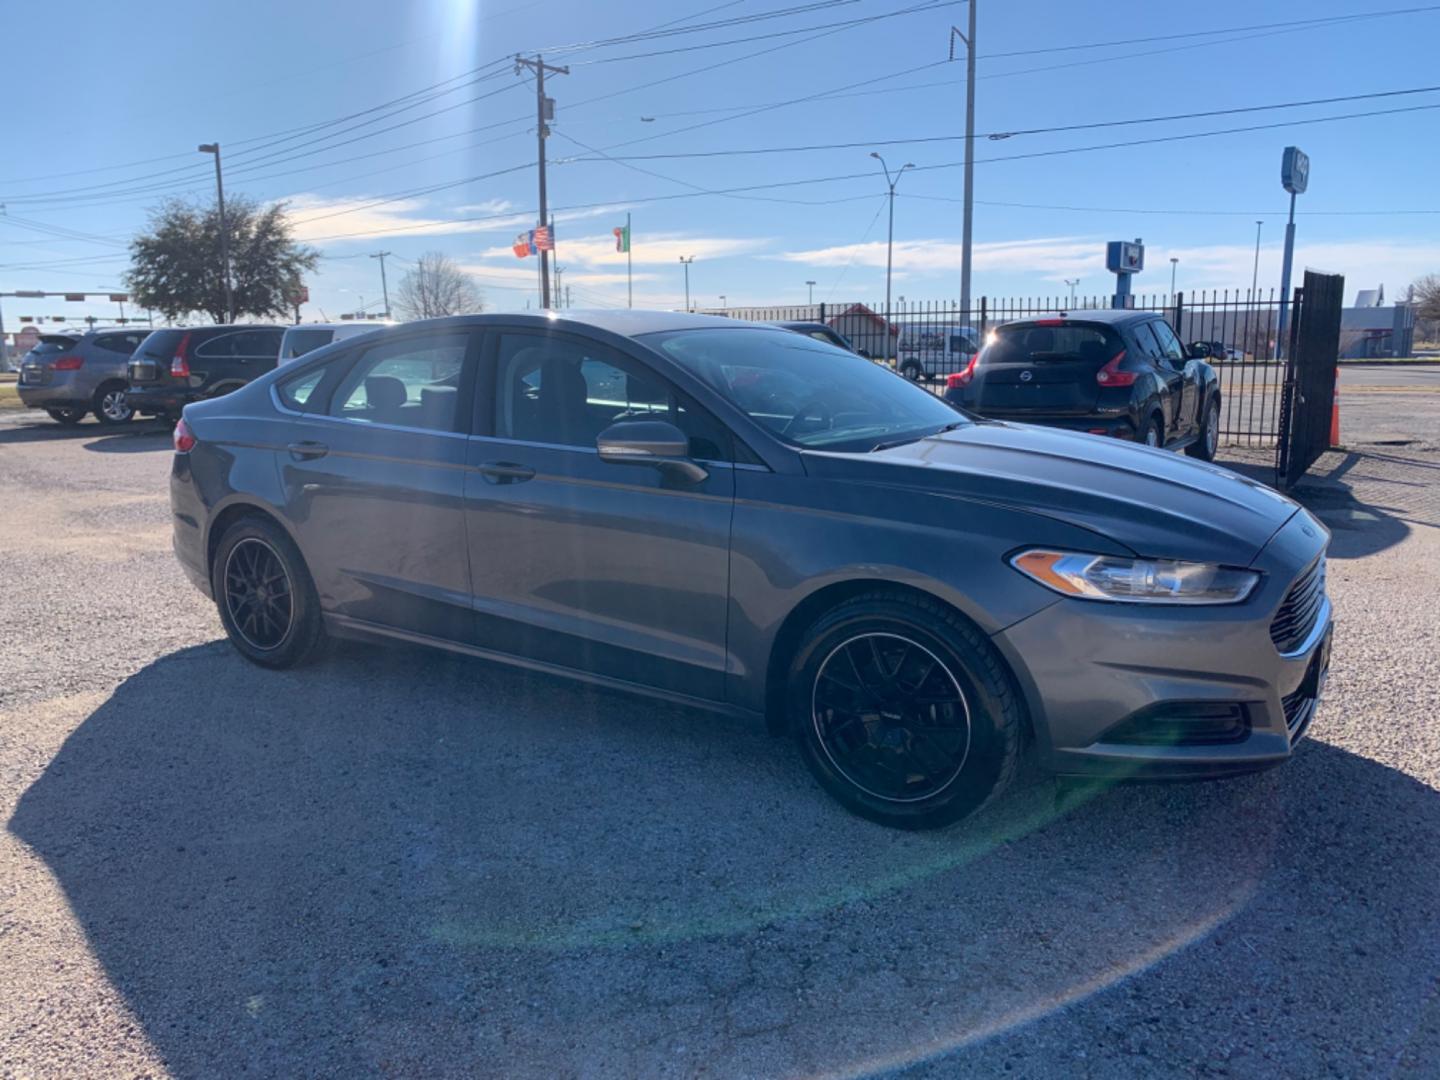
<point>744,518</point>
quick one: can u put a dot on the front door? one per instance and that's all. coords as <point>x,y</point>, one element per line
<point>618,570</point>
<point>374,481</point>
<point>1187,392</point>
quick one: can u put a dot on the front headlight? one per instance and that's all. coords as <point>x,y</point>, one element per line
<point>1135,581</point>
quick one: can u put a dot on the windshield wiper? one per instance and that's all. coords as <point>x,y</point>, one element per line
<point>916,438</point>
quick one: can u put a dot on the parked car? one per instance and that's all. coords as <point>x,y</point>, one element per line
<point>820,332</point>
<point>727,515</point>
<point>1117,373</point>
<point>307,337</point>
<point>70,375</point>
<point>174,367</point>
<point>929,352</point>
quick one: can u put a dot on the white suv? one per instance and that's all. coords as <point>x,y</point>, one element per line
<point>926,351</point>
<point>307,337</point>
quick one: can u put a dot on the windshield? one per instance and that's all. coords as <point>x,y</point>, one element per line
<point>807,392</point>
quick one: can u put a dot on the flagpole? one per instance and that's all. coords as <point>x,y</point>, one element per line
<point>629,275</point>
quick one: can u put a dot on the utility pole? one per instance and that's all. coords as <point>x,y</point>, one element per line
<point>890,243</point>
<point>544,113</point>
<point>967,234</point>
<point>559,292</point>
<point>384,287</point>
<point>214,148</point>
<point>686,260</point>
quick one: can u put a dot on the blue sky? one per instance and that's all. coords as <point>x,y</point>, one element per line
<point>95,87</point>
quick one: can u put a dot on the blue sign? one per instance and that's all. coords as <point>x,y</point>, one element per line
<point>1295,170</point>
<point>1124,257</point>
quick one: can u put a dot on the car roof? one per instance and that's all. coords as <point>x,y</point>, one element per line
<point>339,325</point>
<point>805,325</point>
<point>1110,316</point>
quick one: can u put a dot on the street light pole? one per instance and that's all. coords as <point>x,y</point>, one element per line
<point>890,243</point>
<point>685,261</point>
<point>1174,262</point>
<point>214,148</point>
<point>966,235</point>
<point>1255,280</point>
<point>811,286</point>
<point>1072,282</point>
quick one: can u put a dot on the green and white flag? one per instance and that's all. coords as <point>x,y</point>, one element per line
<point>622,238</point>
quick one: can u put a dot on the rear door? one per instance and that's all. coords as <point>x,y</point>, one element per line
<point>231,358</point>
<point>1169,365</point>
<point>620,570</point>
<point>374,481</point>
<point>114,350</point>
<point>1044,368</point>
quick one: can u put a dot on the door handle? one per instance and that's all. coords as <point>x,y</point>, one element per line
<point>506,472</point>
<point>308,450</point>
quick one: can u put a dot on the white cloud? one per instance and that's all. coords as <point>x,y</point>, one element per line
<point>489,206</point>
<point>313,218</point>
<point>1052,257</point>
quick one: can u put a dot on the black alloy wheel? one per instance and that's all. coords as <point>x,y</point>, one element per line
<point>891,717</point>
<point>69,416</point>
<point>258,594</point>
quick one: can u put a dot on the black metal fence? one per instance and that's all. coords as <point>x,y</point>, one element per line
<point>1305,411</point>
<point>933,339</point>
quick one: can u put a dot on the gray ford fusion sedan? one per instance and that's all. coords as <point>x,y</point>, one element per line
<point>740,517</point>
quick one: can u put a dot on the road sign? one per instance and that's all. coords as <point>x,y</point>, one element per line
<point>1123,257</point>
<point>75,296</point>
<point>119,298</point>
<point>33,294</point>
<point>1295,170</point>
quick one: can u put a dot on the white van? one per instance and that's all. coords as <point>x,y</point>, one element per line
<point>927,351</point>
<point>307,337</point>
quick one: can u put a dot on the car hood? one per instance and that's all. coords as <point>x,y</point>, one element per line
<point>1155,502</point>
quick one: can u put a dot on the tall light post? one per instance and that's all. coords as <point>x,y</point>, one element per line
<point>1072,282</point>
<point>686,260</point>
<point>890,243</point>
<point>384,285</point>
<point>214,148</point>
<point>1174,263</point>
<point>1255,279</point>
<point>969,39</point>
<point>811,286</point>
<point>722,301</point>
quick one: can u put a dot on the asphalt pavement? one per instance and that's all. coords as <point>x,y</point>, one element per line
<point>400,863</point>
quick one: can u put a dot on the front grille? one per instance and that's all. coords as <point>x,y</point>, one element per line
<point>1297,615</point>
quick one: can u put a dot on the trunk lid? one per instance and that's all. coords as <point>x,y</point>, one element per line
<point>1046,367</point>
<point>150,364</point>
<point>38,365</point>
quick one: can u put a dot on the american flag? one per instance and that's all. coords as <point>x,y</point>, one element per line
<point>543,239</point>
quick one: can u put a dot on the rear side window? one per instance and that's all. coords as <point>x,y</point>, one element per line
<point>1038,344</point>
<point>219,347</point>
<point>258,343</point>
<point>116,343</point>
<point>413,383</point>
<point>161,344</point>
<point>300,342</point>
<point>295,392</point>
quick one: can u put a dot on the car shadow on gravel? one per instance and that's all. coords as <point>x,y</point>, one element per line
<point>42,430</point>
<point>143,439</point>
<point>405,863</point>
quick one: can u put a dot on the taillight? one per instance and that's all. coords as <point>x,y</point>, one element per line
<point>1111,375</point>
<point>180,366</point>
<point>184,438</point>
<point>69,363</point>
<point>962,378</point>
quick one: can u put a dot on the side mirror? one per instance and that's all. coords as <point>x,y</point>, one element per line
<point>1199,350</point>
<point>649,442</point>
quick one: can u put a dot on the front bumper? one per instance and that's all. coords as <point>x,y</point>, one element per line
<point>1095,674</point>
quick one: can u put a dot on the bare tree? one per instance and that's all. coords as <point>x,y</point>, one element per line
<point>437,286</point>
<point>1425,295</point>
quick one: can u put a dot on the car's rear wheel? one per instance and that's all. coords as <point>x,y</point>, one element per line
<point>68,416</point>
<point>265,595</point>
<point>904,712</point>
<point>1208,442</point>
<point>111,408</point>
<point>912,371</point>
<point>1155,433</point>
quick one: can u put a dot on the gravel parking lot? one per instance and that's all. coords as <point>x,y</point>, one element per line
<point>401,863</point>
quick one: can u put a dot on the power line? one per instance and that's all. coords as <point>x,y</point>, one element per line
<point>1169,212</point>
<point>996,135</point>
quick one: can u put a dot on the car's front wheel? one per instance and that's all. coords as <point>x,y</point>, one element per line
<point>1208,442</point>
<point>912,371</point>
<point>266,597</point>
<point>904,712</point>
<point>111,408</point>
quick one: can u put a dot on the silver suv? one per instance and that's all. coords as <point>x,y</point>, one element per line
<point>71,374</point>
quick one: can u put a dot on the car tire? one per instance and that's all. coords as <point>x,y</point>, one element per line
<point>69,417</point>
<point>912,371</point>
<point>1154,434</point>
<point>924,691</point>
<point>1208,440</point>
<point>265,595</point>
<point>110,407</point>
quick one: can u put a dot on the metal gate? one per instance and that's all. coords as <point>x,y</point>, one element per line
<point>1310,359</point>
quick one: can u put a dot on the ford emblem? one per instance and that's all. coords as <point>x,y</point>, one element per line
<point>1025,376</point>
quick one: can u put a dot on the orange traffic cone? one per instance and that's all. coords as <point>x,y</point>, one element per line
<point>1335,412</point>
